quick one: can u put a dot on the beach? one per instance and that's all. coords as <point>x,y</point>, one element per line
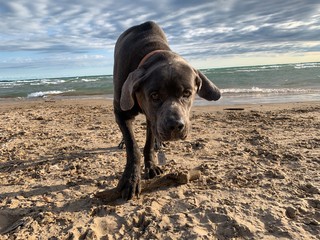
<point>259,166</point>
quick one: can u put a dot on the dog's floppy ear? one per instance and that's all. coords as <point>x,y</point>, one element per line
<point>129,87</point>
<point>206,89</point>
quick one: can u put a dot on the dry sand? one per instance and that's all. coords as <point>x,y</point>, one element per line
<point>260,176</point>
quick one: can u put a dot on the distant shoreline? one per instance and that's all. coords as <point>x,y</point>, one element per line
<point>227,100</point>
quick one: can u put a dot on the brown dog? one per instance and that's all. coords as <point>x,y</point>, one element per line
<point>151,79</point>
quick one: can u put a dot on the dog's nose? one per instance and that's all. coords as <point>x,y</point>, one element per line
<point>176,125</point>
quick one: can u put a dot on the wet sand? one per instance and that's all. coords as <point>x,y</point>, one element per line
<point>259,174</point>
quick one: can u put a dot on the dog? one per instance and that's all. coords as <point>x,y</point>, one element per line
<point>151,79</point>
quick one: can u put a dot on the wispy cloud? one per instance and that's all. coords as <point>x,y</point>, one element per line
<point>77,31</point>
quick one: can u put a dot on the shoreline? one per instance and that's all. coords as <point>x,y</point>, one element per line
<point>227,101</point>
<point>108,102</point>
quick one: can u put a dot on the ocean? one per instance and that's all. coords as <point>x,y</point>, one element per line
<point>278,83</point>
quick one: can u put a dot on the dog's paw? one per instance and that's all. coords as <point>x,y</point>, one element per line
<point>130,185</point>
<point>152,172</point>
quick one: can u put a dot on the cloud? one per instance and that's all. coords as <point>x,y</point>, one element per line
<point>195,29</point>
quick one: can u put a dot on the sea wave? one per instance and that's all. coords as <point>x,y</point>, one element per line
<point>89,79</point>
<point>32,82</point>
<point>258,90</point>
<point>46,93</point>
<point>259,68</point>
<point>306,65</point>
<point>9,84</point>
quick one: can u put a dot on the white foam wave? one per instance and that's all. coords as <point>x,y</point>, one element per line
<point>259,68</point>
<point>257,90</point>
<point>306,65</point>
<point>89,79</point>
<point>47,82</point>
<point>248,70</point>
<point>9,84</point>
<point>46,93</point>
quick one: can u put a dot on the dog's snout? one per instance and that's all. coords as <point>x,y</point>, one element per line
<point>172,122</point>
<point>173,129</point>
<point>176,125</point>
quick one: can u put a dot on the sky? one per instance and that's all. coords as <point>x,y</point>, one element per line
<point>56,38</point>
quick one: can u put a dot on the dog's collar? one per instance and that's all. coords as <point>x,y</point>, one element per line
<point>145,58</point>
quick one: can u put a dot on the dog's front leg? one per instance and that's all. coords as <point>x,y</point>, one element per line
<point>129,184</point>
<point>151,168</point>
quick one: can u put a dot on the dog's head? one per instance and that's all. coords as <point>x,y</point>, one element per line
<point>164,87</point>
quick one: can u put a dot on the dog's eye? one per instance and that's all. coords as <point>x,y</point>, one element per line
<point>155,96</point>
<point>186,94</point>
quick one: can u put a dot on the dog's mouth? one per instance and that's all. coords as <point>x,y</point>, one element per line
<point>164,136</point>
